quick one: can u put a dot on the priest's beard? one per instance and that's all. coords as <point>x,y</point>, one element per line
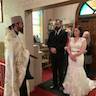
<point>21,30</point>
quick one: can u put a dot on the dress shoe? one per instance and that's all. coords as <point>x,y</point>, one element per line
<point>54,87</point>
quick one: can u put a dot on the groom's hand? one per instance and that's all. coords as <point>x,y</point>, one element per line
<point>53,50</point>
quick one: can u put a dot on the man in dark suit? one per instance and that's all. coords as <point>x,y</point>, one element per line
<point>56,42</point>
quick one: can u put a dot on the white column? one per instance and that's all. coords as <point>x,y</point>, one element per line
<point>37,65</point>
<point>29,43</point>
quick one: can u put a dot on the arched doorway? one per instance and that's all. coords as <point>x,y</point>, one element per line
<point>86,18</point>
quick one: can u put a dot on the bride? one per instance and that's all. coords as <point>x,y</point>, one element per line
<point>76,82</point>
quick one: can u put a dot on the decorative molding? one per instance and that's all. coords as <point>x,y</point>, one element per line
<point>59,4</point>
<point>1,11</point>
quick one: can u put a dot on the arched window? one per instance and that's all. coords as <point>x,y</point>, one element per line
<point>88,8</point>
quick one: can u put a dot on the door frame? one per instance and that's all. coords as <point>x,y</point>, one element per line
<point>77,19</point>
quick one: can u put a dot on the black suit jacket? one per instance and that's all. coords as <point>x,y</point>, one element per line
<point>58,41</point>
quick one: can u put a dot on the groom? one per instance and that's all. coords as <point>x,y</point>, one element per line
<point>56,42</point>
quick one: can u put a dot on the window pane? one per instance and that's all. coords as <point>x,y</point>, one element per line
<point>36,14</point>
<point>92,3</point>
<point>36,31</point>
<point>36,21</point>
<point>36,27</point>
<point>85,10</point>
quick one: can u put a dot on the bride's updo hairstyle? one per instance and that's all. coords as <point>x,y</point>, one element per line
<point>80,29</point>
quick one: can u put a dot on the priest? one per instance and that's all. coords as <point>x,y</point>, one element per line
<point>16,60</point>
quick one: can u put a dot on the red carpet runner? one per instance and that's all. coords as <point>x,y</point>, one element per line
<point>41,92</point>
<point>37,91</point>
<point>47,75</point>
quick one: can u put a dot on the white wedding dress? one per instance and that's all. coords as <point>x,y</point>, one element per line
<point>76,82</point>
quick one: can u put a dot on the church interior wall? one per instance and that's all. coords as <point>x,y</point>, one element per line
<point>10,8</point>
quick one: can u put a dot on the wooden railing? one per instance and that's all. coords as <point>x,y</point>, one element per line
<point>2,75</point>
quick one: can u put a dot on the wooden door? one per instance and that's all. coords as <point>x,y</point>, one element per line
<point>90,25</point>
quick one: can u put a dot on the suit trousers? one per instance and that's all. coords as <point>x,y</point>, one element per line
<point>59,67</point>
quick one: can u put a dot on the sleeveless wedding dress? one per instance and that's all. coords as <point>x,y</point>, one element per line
<point>76,82</point>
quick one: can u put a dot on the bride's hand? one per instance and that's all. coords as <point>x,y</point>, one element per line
<point>73,57</point>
